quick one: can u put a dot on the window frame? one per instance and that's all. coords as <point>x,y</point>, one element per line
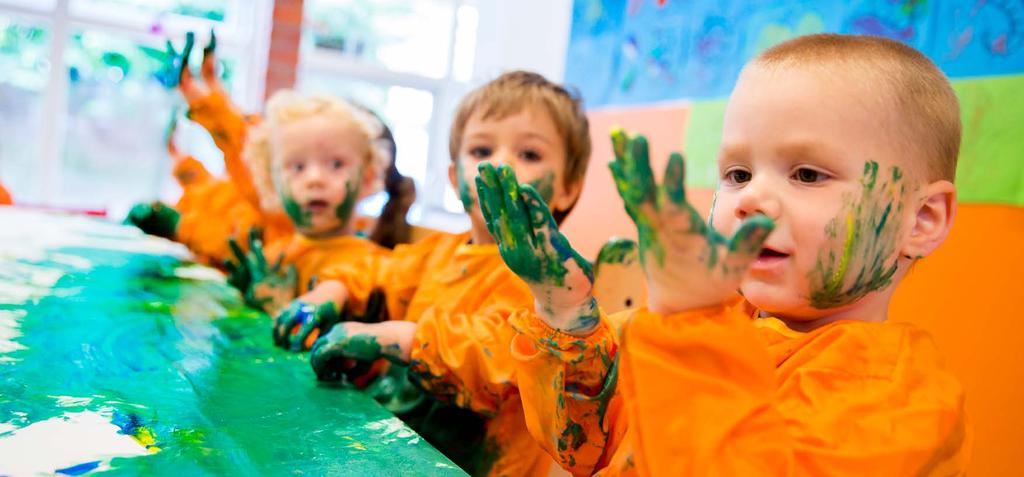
<point>245,35</point>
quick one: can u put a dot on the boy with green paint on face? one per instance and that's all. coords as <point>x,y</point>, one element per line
<point>837,160</point>
<point>447,297</point>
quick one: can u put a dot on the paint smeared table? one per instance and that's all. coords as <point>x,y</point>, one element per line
<point>117,354</point>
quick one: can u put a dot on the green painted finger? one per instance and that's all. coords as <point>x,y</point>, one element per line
<point>675,178</point>
<point>489,191</point>
<point>619,141</point>
<point>489,215</point>
<point>745,245</point>
<point>519,221</point>
<point>750,237</point>
<point>211,46</point>
<point>256,249</point>
<point>190,40</point>
<point>236,250</point>
<point>641,177</point>
<point>324,318</point>
<point>296,313</point>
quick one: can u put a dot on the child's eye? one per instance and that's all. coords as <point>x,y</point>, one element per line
<point>808,175</point>
<point>480,152</point>
<point>738,176</point>
<point>530,156</point>
<point>336,164</point>
<point>297,166</point>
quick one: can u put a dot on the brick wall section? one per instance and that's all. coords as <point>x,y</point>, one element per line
<point>285,35</point>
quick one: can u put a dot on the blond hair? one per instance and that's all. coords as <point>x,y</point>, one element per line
<point>509,94</point>
<point>924,99</point>
<point>287,106</point>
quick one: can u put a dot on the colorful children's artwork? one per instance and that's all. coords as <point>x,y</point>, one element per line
<point>643,51</point>
<point>116,354</point>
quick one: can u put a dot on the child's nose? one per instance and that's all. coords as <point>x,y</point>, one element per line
<point>758,197</point>
<point>313,175</point>
<point>502,157</point>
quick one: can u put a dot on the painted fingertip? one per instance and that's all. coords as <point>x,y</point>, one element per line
<point>639,146</point>
<point>212,44</point>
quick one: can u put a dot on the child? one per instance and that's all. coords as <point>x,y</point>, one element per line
<point>837,160</point>
<point>449,296</point>
<point>213,210</point>
<point>313,158</point>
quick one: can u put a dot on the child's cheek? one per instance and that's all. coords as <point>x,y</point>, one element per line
<point>466,179</point>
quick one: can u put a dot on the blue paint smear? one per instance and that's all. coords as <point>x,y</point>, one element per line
<point>79,469</point>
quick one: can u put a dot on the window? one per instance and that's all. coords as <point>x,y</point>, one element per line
<point>82,107</point>
<point>409,62</point>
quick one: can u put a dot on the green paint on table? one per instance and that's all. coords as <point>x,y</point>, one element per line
<point>96,318</point>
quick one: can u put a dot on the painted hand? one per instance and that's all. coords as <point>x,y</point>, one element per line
<point>299,325</point>
<point>194,91</point>
<point>176,63</point>
<point>263,286</point>
<point>350,348</point>
<point>154,218</point>
<point>688,264</point>
<point>533,247</point>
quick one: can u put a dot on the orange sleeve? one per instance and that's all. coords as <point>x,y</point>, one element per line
<point>704,397</point>
<point>568,389</point>
<point>5,197</point>
<point>464,358</point>
<point>228,127</point>
<point>190,172</point>
<point>397,275</point>
<point>211,213</point>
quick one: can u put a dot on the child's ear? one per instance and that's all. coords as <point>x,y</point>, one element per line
<point>570,194</point>
<point>372,180</point>
<point>932,220</point>
<point>453,177</point>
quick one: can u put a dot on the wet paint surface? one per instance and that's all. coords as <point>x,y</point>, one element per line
<point>862,238</point>
<point>96,320</point>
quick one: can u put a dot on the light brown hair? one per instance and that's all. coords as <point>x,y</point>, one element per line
<point>508,94</point>
<point>924,99</point>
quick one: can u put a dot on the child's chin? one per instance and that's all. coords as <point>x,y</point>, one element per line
<point>765,296</point>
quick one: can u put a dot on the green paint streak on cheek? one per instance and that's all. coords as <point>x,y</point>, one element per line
<point>464,195</point>
<point>301,218</point>
<point>856,261</point>
<point>344,210</point>
<point>545,186</point>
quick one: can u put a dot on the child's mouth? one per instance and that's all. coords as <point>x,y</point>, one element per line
<point>768,259</point>
<point>317,206</point>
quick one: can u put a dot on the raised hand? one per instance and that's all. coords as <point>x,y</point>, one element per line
<point>532,246</point>
<point>263,286</point>
<point>194,91</point>
<point>175,62</point>
<point>688,264</point>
